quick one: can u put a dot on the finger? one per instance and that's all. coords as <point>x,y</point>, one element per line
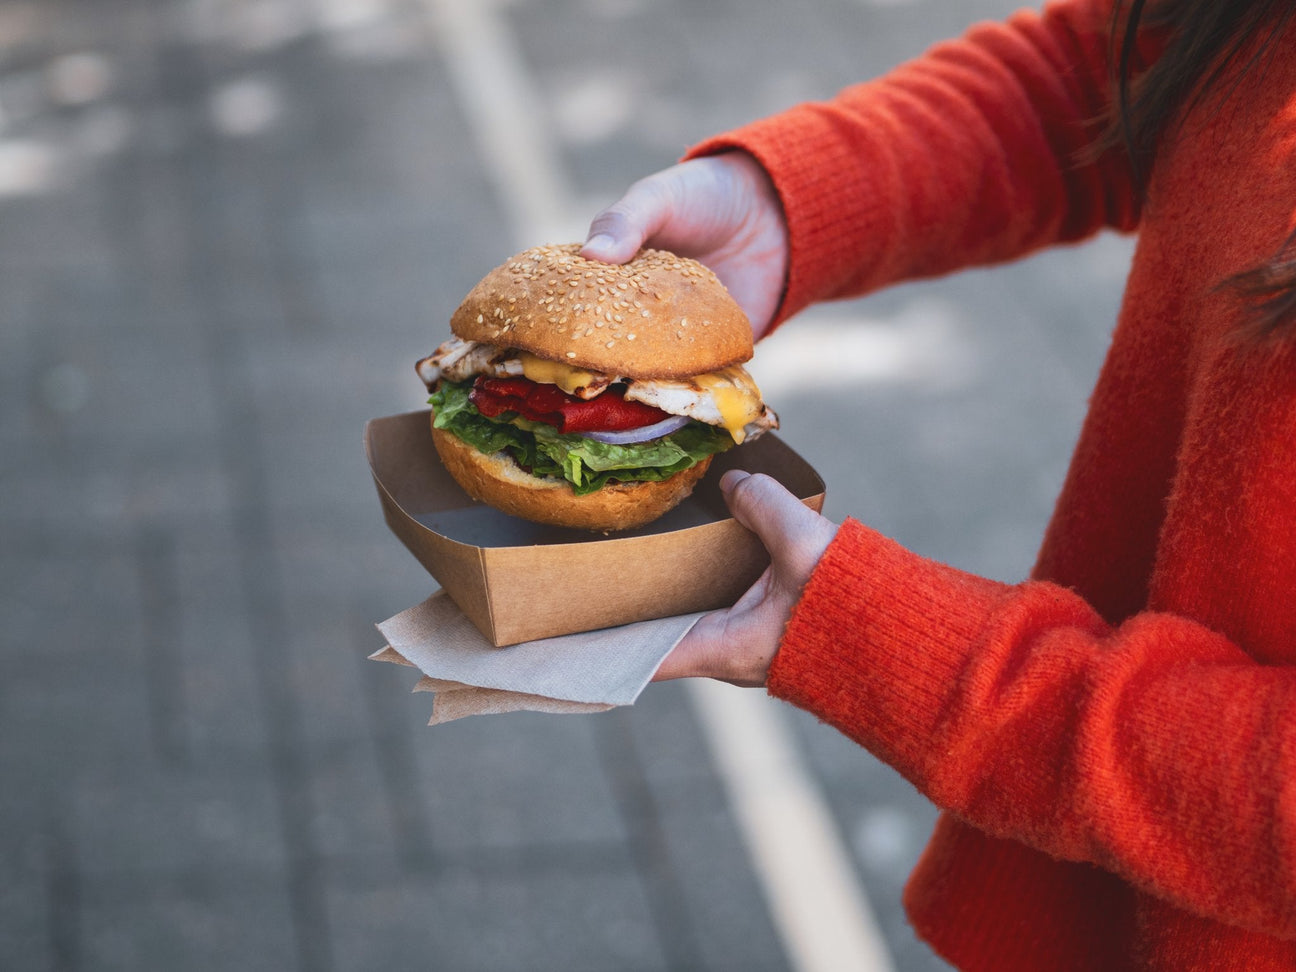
<point>787,527</point>
<point>711,649</point>
<point>689,657</point>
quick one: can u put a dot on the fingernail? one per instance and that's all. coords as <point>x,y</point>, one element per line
<point>732,478</point>
<point>600,243</point>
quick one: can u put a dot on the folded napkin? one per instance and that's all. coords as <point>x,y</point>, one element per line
<point>588,672</point>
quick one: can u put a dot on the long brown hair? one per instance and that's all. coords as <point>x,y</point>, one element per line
<point>1202,38</point>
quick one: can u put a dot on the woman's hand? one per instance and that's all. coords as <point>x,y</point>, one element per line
<point>738,644</point>
<point>721,210</point>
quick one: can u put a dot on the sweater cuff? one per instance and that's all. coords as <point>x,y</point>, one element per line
<point>876,645</point>
<point>825,219</point>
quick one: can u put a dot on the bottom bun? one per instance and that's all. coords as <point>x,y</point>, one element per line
<point>498,480</point>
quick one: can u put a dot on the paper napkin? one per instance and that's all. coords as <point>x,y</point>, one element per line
<point>588,672</point>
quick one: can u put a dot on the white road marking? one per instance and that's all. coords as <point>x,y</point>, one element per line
<point>817,904</point>
<point>501,103</point>
<point>925,344</point>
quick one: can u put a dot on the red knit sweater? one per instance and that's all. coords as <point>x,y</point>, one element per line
<point>1113,742</point>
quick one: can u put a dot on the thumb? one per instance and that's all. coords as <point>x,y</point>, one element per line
<point>616,234</point>
<point>791,531</point>
<point>612,238</point>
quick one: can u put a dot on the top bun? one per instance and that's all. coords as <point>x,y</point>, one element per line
<point>658,316</point>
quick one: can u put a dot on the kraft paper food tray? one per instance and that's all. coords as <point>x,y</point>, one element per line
<point>519,581</point>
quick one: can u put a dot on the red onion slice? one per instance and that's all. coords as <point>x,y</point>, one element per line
<point>642,434</point>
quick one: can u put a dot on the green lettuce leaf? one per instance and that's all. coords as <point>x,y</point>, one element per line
<point>585,463</point>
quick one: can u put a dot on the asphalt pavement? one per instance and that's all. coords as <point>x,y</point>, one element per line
<point>228,228</point>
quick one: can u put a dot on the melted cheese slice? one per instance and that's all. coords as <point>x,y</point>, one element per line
<point>548,372</point>
<point>736,397</point>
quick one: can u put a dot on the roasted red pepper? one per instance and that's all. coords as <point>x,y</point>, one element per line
<point>608,412</point>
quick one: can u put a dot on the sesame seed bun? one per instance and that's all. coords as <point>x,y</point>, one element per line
<point>496,479</point>
<point>658,316</point>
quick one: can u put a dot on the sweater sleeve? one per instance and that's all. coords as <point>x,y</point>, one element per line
<point>970,154</point>
<point>1156,749</point>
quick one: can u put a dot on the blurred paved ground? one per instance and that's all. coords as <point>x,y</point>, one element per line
<point>227,229</point>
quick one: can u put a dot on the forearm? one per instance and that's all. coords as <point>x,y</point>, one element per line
<point>968,155</point>
<point>1157,749</point>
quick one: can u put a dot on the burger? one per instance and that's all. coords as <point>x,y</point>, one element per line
<point>592,395</point>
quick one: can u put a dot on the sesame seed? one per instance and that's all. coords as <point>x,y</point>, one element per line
<point>609,344</point>
<point>630,337</point>
<point>571,354</point>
